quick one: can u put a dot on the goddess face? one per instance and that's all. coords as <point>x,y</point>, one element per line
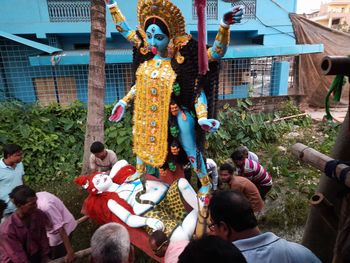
<point>157,39</point>
<point>102,182</point>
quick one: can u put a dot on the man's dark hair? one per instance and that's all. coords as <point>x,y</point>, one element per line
<point>237,156</point>
<point>232,208</point>
<point>10,149</point>
<point>159,237</point>
<point>97,147</point>
<point>226,167</point>
<point>20,194</point>
<point>3,206</point>
<point>210,249</point>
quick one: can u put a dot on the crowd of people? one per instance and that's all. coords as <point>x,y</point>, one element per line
<point>37,226</point>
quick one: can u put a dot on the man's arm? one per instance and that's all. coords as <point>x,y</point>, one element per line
<point>11,248</point>
<point>92,163</point>
<point>67,244</point>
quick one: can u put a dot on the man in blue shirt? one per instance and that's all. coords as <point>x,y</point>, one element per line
<point>233,219</point>
<point>11,174</point>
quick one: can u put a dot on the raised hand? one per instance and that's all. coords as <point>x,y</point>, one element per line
<point>234,16</point>
<point>209,125</point>
<point>118,111</point>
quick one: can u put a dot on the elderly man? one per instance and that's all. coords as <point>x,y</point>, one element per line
<point>111,244</point>
<point>233,219</point>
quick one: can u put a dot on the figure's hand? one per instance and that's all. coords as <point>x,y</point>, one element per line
<point>110,2</point>
<point>209,125</point>
<point>155,224</point>
<point>234,16</point>
<point>118,111</point>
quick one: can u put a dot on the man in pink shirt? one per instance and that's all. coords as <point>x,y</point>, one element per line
<point>62,225</point>
<point>23,235</point>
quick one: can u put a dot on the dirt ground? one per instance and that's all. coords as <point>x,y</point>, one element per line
<point>338,113</point>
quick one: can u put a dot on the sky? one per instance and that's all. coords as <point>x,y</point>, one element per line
<point>305,6</point>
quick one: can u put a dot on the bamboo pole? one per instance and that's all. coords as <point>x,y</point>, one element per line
<point>317,160</point>
<point>326,209</point>
<point>79,254</point>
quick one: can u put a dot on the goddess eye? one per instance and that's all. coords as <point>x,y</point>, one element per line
<point>148,35</point>
<point>159,37</point>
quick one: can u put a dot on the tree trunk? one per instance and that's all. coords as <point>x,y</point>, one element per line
<point>96,81</point>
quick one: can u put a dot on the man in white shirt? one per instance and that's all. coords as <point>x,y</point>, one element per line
<point>101,159</point>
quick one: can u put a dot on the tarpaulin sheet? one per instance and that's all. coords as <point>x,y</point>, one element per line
<point>312,82</point>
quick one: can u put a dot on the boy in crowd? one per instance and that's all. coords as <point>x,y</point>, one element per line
<point>101,159</point>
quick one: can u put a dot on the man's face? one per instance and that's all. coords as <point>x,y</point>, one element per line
<point>101,155</point>
<point>225,176</point>
<point>16,157</point>
<point>218,229</point>
<point>238,163</point>
<point>29,207</point>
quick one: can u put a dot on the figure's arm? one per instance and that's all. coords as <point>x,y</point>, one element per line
<point>222,40</point>
<point>119,108</point>
<point>201,108</point>
<point>133,220</point>
<point>121,24</point>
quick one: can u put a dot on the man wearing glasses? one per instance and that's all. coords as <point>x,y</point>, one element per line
<point>232,219</point>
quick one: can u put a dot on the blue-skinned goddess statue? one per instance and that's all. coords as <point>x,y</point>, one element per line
<point>174,105</point>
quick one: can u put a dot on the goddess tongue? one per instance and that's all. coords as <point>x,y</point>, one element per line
<point>154,50</point>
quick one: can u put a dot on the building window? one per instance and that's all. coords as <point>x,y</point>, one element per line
<point>69,10</point>
<point>212,10</point>
<point>249,8</point>
<point>60,90</point>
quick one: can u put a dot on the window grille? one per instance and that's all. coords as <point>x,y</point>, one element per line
<point>69,10</point>
<point>239,78</point>
<point>212,10</point>
<point>249,8</point>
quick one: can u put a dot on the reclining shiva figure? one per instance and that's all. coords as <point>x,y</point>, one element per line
<point>159,207</point>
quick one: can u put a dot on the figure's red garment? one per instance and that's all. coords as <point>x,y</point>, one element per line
<point>95,205</point>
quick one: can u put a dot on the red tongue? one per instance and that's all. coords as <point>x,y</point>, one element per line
<point>154,50</point>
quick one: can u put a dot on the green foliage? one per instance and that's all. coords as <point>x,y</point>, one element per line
<point>53,137</point>
<point>241,126</point>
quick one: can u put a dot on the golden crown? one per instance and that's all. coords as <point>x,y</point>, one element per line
<point>165,11</point>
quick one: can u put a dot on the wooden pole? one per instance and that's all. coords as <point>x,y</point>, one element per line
<point>79,254</point>
<point>317,160</point>
<point>326,209</point>
<point>318,236</point>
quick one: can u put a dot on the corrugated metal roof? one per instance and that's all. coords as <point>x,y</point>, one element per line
<point>30,43</point>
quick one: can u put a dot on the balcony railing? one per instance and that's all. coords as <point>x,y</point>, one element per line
<point>249,8</point>
<point>69,10</point>
<point>212,10</point>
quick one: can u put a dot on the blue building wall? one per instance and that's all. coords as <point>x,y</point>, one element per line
<point>268,33</point>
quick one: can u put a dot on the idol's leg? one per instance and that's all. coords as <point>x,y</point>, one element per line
<point>187,139</point>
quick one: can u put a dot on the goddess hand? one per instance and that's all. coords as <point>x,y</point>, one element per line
<point>118,111</point>
<point>234,16</point>
<point>210,125</point>
<point>110,2</point>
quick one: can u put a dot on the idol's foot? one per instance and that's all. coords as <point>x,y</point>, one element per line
<point>133,177</point>
<point>204,191</point>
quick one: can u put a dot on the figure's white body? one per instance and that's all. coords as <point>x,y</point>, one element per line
<point>155,192</point>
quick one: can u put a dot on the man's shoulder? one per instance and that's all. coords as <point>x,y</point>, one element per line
<point>111,152</point>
